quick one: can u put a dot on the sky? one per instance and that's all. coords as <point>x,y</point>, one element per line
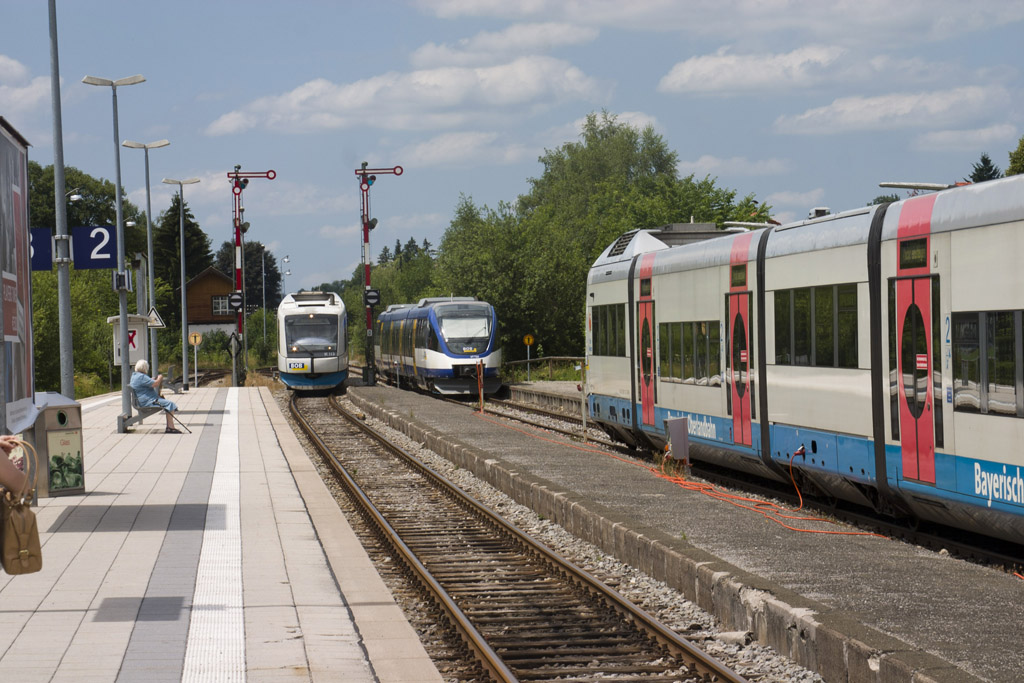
<point>803,103</point>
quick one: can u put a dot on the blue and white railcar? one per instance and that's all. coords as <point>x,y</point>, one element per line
<point>438,345</point>
<point>880,351</point>
<point>312,330</point>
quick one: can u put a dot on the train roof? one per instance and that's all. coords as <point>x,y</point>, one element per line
<point>955,208</point>
<point>313,298</point>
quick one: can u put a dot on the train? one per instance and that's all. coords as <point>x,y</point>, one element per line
<point>439,345</point>
<point>312,348</point>
<point>876,354</point>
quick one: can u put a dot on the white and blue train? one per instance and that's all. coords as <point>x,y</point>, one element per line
<point>880,351</point>
<point>438,344</point>
<point>312,329</point>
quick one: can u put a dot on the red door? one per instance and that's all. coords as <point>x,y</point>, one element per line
<point>739,364</point>
<point>645,333</point>
<point>914,342</point>
<point>645,314</point>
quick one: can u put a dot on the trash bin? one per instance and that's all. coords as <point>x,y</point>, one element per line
<point>57,437</point>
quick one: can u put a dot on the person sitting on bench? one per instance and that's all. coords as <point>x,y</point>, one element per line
<point>146,391</point>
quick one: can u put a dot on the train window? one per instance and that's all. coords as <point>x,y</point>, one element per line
<point>824,320</point>
<point>783,327</point>
<point>846,339</point>
<point>816,326</point>
<point>700,352</point>
<point>714,355</point>
<point>802,330</point>
<point>914,253</point>
<point>738,276</point>
<point>688,353</point>
<point>608,329</point>
<point>664,349</point>
<point>1001,360</point>
<point>987,363</point>
<point>937,360</point>
<point>645,287</point>
<point>966,365</point>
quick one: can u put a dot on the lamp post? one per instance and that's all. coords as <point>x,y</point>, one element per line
<point>263,290</point>
<point>284,282</point>
<point>121,277</point>
<point>151,300</point>
<point>184,304</point>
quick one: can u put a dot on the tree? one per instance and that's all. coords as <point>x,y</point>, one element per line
<point>385,256</point>
<point>259,268</point>
<point>97,205</point>
<point>167,255</point>
<point>884,199</point>
<point>1016,159</point>
<point>984,170</point>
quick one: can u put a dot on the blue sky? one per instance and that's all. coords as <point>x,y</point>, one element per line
<point>803,103</point>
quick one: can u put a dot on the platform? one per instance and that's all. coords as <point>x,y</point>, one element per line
<point>213,556</point>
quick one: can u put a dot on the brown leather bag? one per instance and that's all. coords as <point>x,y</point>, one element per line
<point>19,535</point>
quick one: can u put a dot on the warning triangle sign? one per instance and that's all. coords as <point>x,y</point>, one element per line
<point>154,319</point>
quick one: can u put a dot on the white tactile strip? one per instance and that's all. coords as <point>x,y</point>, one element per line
<point>215,650</point>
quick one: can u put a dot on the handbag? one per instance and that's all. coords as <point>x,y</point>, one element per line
<point>20,552</point>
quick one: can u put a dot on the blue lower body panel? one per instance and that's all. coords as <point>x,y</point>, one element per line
<point>312,382</point>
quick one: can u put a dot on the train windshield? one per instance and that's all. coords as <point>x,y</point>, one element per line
<point>311,334</point>
<point>466,327</point>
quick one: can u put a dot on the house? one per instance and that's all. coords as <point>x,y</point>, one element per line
<point>207,297</point>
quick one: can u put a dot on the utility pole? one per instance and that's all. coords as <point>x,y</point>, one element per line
<point>371,297</point>
<point>239,181</point>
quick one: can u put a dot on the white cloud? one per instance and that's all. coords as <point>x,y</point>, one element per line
<point>806,200</point>
<point>867,22</point>
<point>465,149</point>
<point>20,94</point>
<point>340,233</point>
<point>889,112</point>
<point>726,72</point>
<point>418,221</point>
<point>739,166</point>
<point>424,99</point>
<point>494,47</point>
<point>967,140</point>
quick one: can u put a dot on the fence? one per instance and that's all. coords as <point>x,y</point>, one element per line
<point>559,367</point>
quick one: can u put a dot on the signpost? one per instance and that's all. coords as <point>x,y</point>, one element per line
<point>366,177</point>
<point>528,340</point>
<point>239,180</point>
<point>195,339</point>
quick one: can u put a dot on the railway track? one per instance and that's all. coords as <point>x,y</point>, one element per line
<point>526,613</point>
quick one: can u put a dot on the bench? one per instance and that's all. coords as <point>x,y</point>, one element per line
<point>141,413</point>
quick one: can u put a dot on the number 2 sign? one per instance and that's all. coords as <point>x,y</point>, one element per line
<point>94,247</point>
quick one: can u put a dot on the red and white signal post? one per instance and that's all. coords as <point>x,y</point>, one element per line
<point>371,297</point>
<point>239,180</point>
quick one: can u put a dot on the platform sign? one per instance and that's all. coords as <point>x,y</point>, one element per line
<point>235,301</point>
<point>195,338</point>
<point>94,246</point>
<point>528,340</point>
<point>41,241</point>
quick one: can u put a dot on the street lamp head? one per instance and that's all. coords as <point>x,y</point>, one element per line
<point>129,224</point>
<point>138,145</point>
<point>286,259</point>
<point>187,181</point>
<point>130,80</point>
<point>75,198</point>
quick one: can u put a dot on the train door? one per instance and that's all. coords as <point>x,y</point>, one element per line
<point>915,321</point>
<point>740,348</point>
<point>645,333</point>
<point>915,390</point>
<point>738,321</point>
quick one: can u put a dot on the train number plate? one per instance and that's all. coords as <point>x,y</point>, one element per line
<point>298,365</point>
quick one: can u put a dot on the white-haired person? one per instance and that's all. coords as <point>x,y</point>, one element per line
<point>147,392</point>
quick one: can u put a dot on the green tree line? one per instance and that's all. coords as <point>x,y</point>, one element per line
<point>93,299</point>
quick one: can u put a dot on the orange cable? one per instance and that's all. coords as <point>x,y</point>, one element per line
<point>768,510</point>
